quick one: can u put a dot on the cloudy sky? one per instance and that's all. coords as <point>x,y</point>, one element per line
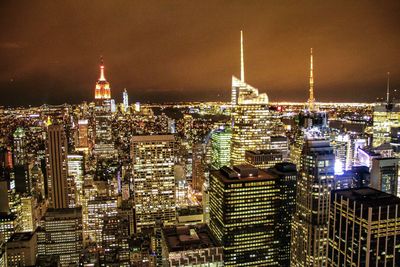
<point>188,50</point>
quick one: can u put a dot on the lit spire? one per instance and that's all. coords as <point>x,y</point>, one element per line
<point>241,57</point>
<point>102,78</point>
<point>388,88</point>
<point>311,98</point>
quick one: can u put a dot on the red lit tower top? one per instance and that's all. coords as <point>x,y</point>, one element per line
<point>103,90</point>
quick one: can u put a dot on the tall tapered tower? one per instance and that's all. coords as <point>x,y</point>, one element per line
<point>311,99</point>
<point>102,90</point>
<point>241,57</point>
<point>251,118</point>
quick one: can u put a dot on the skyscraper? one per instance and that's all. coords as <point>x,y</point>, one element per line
<point>102,89</point>
<point>19,147</point>
<point>243,212</point>
<point>251,127</point>
<point>83,134</point>
<point>363,229</point>
<point>310,222</point>
<point>286,178</point>
<point>153,159</point>
<point>311,99</point>
<point>125,100</point>
<point>75,173</point>
<point>61,234</point>
<point>221,148</point>
<point>386,115</point>
<point>57,168</point>
<point>385,175</point>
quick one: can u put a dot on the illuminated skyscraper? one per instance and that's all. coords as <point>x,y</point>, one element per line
<point>98,209</point>
<point>61,234</point>
<point>311,99</point>
<point>250,211</point>
<point>75,172</point>
<point>83,134</point>
<point>57,168</point>
<point>250,131</point>
<point>28,214</point>
<point>198,166</point>
<point>19,147</point>
<point>251,127</point>
<point>363,229</point>
<point>221,148</point>
<point>153,179</point>
<point>286,178</point>
<point>102,89</point>
<point>310,222</point>
<point>385,117</point>
<point>125,100</point>
<point>104,142</point>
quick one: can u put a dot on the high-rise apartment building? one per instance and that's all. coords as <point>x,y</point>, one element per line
<point>243,211</point>
<point>153,159</point>
<point>310,222</point>
<point>363,229</point>
<point>59,191</point>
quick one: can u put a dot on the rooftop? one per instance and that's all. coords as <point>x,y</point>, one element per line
<point>149,138</point>
<point>284,168</point>
<point>368,196</point>
<point>278,138</point>
<point>263,152</point>
<point>18,237</point>
<point>242,173</point>
<point>181,238</point>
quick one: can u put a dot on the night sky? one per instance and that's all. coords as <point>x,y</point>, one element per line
<point>188,50</point>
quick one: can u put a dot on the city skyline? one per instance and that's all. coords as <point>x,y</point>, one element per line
<point>188,52</point>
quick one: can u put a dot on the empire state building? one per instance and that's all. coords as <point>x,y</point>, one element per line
<point>102,90</point>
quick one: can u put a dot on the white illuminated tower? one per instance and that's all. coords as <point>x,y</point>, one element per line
<point>385,117</point>
<point>125,100</point>
<point>250,117</point>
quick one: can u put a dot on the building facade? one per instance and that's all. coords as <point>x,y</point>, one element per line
<point>363,229</point>
<point>310,222</point>
<point>153,159</point>
<point>243,211</point>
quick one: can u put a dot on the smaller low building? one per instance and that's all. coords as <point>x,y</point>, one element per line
<point>190,246</point>
<point>264,159</point>
<point>190,215</point>
<point>22,249</point>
